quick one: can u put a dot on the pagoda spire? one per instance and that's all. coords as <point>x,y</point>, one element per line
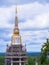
<point>16,29</point>
<point>16,19</point>
<point>16,37</point>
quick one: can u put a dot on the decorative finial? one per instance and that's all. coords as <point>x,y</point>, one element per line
<point>16,19</point>
<point>16,9</point>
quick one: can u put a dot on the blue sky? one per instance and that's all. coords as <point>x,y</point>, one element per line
<point>33,17</point>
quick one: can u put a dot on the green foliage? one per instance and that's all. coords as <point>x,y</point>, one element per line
<point>45,47</point>
<point>44,50</point>
<point>47,61</point>
<point>1,60</point>
<point>31,60</point>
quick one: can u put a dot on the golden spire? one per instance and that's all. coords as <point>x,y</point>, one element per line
<point>16,38</point>
<point>16,19</point>
<point>16,29</point>
<point>16,9</point>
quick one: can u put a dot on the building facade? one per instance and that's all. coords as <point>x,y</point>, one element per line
<point>16,52</point>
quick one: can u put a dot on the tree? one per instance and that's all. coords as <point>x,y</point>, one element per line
<point>45,47</point>
<point>31,60</point>
<point>44,51</point>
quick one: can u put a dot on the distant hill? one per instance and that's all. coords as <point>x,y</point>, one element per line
<point>2,53</point>
<point>35,54</point>
<point>28,53</point>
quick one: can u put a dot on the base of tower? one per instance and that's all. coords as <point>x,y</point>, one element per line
<point>16,55</point>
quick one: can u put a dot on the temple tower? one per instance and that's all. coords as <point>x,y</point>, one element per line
<point>16,52</point>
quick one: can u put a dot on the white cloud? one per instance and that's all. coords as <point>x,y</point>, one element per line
<point>33,9</point>
<point>34,48</point>
<point>36,15</point>
<point>33,13</point>
<point>3,45</point>
<point>34,36</point>
<point>6,14</point>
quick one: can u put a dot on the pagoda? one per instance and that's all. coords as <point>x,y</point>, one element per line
<point>16,52</point>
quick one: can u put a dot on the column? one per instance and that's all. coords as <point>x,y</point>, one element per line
<point>11,61</point>
<point>36,63</point>
<point>24,63</point>
<point>19,61</point>
<point>5,62</point>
